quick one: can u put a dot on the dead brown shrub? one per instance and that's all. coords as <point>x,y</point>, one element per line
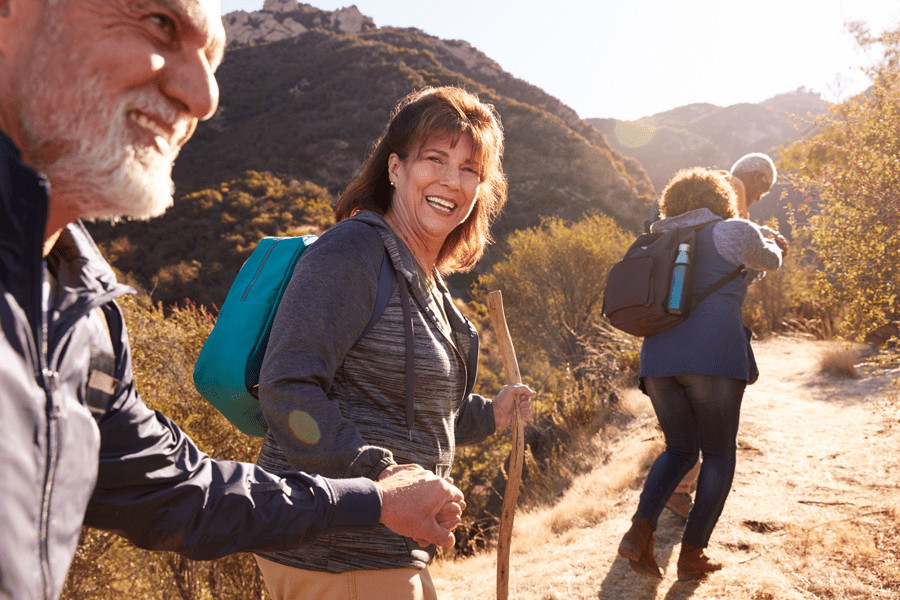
<point>841,362</point>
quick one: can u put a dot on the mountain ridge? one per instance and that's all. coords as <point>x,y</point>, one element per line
<point>305,92</point>
<point>704,134</point>
<point>330,88</point>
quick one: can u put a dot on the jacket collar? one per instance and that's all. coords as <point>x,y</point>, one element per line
<point>692,218</point>
<point>82,269</point>
<point>24,197</point>
<point>24,200</point>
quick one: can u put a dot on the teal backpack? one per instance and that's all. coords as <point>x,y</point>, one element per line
<point>227,370</point>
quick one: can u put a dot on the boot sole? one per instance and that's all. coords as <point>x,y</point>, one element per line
<point>690,576</point>
<point>642,569</point>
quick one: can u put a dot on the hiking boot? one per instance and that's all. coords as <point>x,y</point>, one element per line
<point>637,547</point>
<point>694,564</point>
<point>680,503</point>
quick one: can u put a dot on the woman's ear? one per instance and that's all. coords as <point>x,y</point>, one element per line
<point>393,167</point>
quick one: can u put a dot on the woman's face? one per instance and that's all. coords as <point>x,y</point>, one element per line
<point>435,188</point>
<point>741,192</point>
<point>738,186</point>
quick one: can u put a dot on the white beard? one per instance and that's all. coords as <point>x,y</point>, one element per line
<point>100,163</point>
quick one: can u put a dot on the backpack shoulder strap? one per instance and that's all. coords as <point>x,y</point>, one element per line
<point>385,286</point>
<point>718,285</point>
<point>724,280</point>
<point>410,356</point>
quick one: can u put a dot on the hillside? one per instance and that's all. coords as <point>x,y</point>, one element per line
<point>307,105</point>
<point>304,93</point>
<point>813,513</point>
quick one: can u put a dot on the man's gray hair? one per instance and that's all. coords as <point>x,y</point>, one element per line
<point>756,162</point>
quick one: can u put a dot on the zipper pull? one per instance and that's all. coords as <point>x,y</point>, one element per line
<point>51,381</point>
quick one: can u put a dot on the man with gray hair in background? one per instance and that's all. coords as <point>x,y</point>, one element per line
<point>756,173</point>
<point>96,99</point>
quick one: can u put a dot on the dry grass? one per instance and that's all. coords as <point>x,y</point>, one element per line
<point>857,557</point>
<point>814,512</point>
<point>841,361</point>
<point>590,496</point>
<point>551,534</point>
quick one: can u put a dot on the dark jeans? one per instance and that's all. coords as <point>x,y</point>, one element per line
<point>697,413</point>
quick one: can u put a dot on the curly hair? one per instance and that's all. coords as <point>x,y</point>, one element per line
<point>416,118</point>
<point>695,188</point>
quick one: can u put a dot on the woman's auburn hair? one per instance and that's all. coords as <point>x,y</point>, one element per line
<point>695,188</point>
<point>449,111</point>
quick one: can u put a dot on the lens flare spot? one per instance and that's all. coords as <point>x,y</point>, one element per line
<point>304,427</point>
<point>634,134</point>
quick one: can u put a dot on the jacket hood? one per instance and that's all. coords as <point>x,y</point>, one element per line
<point>693,218</point>
<point>83,269</point>
<point>405,265</point>
<point>403,260</point>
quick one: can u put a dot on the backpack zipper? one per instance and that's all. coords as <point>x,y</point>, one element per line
<point>260,268</point>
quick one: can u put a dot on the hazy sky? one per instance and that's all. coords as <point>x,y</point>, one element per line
<point>632,58</point>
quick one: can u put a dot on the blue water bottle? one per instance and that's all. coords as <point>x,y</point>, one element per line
<point>680,291</point>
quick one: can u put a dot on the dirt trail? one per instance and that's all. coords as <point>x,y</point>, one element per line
<point>817,471</point>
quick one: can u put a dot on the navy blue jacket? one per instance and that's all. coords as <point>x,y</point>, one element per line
<point>713,339</point>
<point>78,444</point>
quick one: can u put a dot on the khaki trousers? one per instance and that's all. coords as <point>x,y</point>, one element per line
<point>290,583</point>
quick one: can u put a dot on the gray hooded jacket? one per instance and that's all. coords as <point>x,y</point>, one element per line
<point>335,403</point>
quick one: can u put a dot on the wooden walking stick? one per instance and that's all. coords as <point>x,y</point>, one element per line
<point>517,455</point>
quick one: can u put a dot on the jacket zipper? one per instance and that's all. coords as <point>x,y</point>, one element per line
<point>51,382</point>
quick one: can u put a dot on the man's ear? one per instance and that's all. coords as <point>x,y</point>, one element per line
<point>17,18</point>
<point>6,11</point>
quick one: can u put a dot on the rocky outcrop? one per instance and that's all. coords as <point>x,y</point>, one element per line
<point>244,28</point>
<point>283,19</point>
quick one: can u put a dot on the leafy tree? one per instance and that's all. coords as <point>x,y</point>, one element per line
<point>851,173</point>
<point>786,300</point>
<point>552,279</point>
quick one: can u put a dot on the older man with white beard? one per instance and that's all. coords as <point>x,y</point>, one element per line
<point>96,99</point>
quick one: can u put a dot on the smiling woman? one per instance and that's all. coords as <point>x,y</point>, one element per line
<point>343,398</point>
<point>451,129</point>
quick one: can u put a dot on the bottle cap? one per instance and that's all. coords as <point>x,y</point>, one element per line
<point>684,247</point>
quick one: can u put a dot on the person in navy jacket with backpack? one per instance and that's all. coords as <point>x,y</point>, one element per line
<point>695,372</point>
<point>96,98</point>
